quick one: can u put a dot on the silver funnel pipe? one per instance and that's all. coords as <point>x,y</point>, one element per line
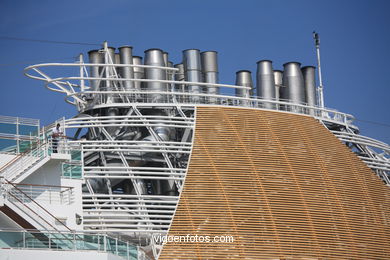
<point>111,55</point>
<point>170,73</point>
<point>166,58</point>
<point>193,71</point>
<point>117,59</point>
<point>109,58</point>
<point>265,82</point>
<point>278,78</point>
<point>118,69</point>
<point>209,60</point>
<point>166,64</point>
<point>179,76</point>
<point>155,57</point>
<point>293,82</point>
<point>126,57</point>
<point>309,78</point>
<point>96,57</point>
<point>139,72</point>
<point>244,78</point>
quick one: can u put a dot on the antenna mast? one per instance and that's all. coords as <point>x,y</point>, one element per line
<point>320,87</point>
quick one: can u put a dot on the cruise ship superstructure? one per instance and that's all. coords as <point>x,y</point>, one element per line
<point>156,149</point>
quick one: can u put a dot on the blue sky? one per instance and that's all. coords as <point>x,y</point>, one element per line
<point>355,37</point>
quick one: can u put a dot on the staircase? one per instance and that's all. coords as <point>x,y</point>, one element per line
<point>22,208</point>
<point>25,164</point>
<point>18,205</point>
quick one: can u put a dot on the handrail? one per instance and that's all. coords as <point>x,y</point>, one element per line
<point>21,155</point>
<point>32,200</point>
<point>49,193</point>
<point>65,85</point>
<point>349,137</point>
<point>122,248</point>
<point>19,120</point>
<point>40,185</point>
<point>34,154</point>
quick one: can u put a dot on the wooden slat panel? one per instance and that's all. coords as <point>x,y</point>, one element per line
<point>283,186</point>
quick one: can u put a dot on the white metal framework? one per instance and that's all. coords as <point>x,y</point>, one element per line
<point>124,153</point>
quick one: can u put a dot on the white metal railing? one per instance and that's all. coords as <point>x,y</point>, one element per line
<point>122,211</point>
<point>61,195</point>
<point>364,140</point>
<point>131,120</point>
<point>19,120</point>
<point>137,147</point>
<point>19,200</point>
<point>151,173</point>
<point>23,162</point>
<point>74,87</point>
<point>70,241</point>
<point>376,154</point>
<point>23,131</point>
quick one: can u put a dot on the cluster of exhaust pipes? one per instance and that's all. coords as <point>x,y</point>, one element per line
<point>294,84</point>
<point>196,67</point>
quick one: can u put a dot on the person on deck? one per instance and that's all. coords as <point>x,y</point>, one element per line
<point>56,134</point>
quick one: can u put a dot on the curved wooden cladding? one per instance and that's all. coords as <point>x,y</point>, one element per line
<point>283,186</point>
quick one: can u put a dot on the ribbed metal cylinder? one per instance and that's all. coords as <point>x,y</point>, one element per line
<point>111,55</point>
<point>278,78</point>
<point>293,82</point>
<point>265,80</point>
<point>179,76</point>
<point>166,64</point>
<point>309,78</point>
<point>126,57</point>
<point>193,70</point>
<point>117,59</point>
<point>166,58</point>
<point>265,83</point>
<point>244,78</point>
<point>95,56</point>
<point>155,57</point>
<point>138,72</point>
<point>170,73</point>
<point>109,58</point>
<point>209,61</point>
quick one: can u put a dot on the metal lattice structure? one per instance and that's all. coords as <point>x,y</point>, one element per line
<point>136,122</point>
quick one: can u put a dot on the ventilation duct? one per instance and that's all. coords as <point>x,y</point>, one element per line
<point>193,71</point>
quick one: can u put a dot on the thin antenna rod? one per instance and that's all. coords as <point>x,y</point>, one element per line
<point>320,87</point>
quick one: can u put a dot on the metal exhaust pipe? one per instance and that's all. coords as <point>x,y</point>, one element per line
<point>117,60</point>
<point>244,78</point>
<point>96,57</point>
<point>193,71</point>
<point>167,63</point>
<point>278,78</point>
<point>126,57</point>
<point>293,82</point>
<point>155,57</point>
<point>209,60</point>
<point>179,76</point>
<point>265,82</point>
<point>309,78</point>
<point>171,75</point>
<point>109,58</point>
<point>166,58</point>
<point>139,72</point>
